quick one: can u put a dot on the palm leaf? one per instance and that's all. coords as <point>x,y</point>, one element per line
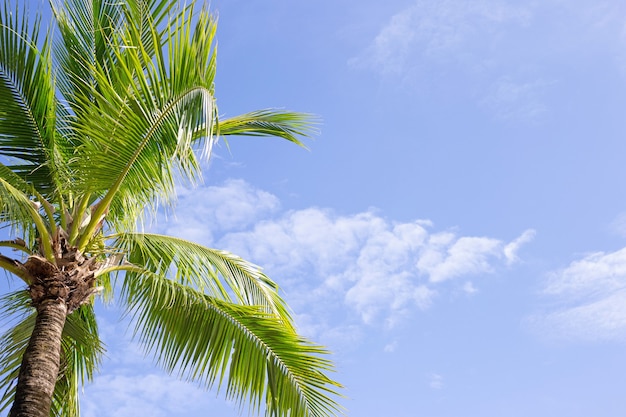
<point>17,208</point>
<point>204,269</point>
<point>137,122</point>
<point>87,28</point>
<point>252,353</point>
<point>27,189</point>
<point>278,123</point>
<point>27,101</point>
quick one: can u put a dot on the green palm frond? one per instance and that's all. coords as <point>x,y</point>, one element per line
<point>82,352</point>
<point>140,120</point>
<point>88,27</point>
<point>84,26</point>
<point>27,100</point>
<point>270,122</point>
<point>27,189</point>
<point>205,269</point>
<point>150,14</point>
<point>17,209</point>
<point>250,352</point>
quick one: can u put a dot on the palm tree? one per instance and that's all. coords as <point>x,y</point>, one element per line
<point>99,118</point>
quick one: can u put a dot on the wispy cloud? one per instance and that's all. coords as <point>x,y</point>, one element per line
<point>436,381</point>
<point>468,40</point>
<point>511,249</point>
<point>380,269</point>
<point>130,385</point>
<point>508,57</point>
<point>434,30</point>
<point>150,394</point>
<point>589,299</point>
<point>618,225</point>
<point>391,347</point>
<point>510,99</point>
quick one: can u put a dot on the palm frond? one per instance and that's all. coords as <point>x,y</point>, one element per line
<point>26,188</point>
<point>217,273</point>
<point>17,209</point>
<point>243,348</point>
<point>270,122</point>
<point>140,119</point>
<point>151,14</point>
<point>87,28</point>
<point>27,100</point>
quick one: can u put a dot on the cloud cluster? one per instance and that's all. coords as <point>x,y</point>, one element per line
<point>589,297</point>
<point>380,269</point>
<point>231,206</point>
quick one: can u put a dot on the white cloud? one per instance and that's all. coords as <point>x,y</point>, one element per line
<point>469,288</point>
<point>595,275</point>
<point>590,297</point>
<point>436,381</point>
<point>233,205</point>
<point>511,249</point>
<point>593,321</point>
<point>391,347</point>
<point>618,225</point>
<point>149,394</point>
<point>429,30</point>
<point>380,269</point>
<point>433,44</point>
<point>511,99</point>
<point>458,257</point>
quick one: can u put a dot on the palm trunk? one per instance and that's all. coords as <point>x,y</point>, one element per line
<point>41,361</point>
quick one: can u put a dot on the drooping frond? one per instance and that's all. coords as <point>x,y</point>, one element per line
<point>17,208</point>
<point>27,101</point>
<point>82,350</point>
<point>217,273</point>
<point>19,184</point>
<point>241,348</point>
<point>278,123</point>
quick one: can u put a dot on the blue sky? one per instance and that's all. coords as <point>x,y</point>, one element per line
<point>456,233</point>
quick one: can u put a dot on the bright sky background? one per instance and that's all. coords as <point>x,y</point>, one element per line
<point>456,234</point>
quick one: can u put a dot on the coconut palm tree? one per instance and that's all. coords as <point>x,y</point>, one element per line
<point>100,116</point>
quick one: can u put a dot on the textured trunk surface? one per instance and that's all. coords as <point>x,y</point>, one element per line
<point>56,289</point>
<point>41,361</point>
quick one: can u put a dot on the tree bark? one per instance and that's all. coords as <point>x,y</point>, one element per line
<point>41,362</point>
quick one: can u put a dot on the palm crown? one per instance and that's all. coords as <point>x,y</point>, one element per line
<point>97,121</point>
